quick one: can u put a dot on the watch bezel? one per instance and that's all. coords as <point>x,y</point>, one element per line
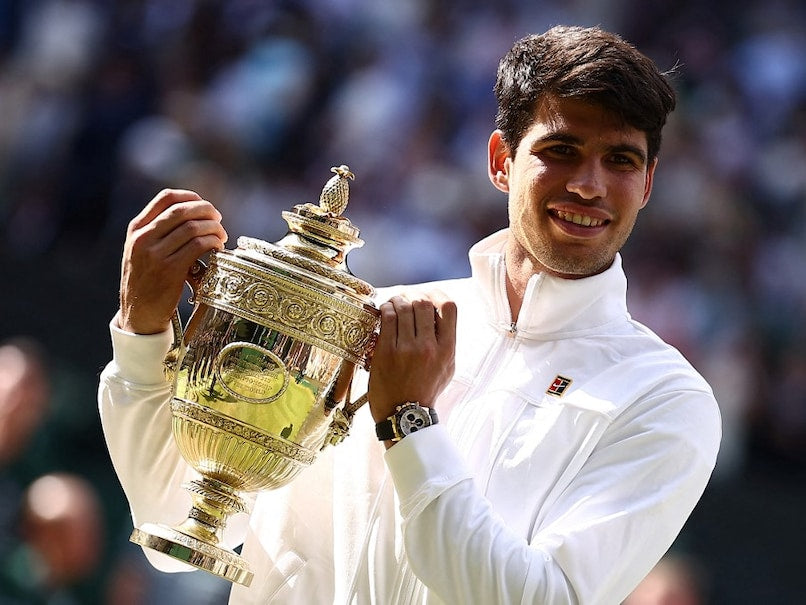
<point>411,417</point>
<point>396,426</point>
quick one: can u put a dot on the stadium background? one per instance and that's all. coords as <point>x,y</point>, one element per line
<point>250,103</point>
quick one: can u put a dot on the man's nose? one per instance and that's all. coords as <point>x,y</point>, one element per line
<point>587,180</point>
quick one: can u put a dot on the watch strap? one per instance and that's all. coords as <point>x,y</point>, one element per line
<point>385,430</point>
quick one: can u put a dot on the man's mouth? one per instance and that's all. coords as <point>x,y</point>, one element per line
<point>579,219</point>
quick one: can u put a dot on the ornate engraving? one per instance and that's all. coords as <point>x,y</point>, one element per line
<point>229,426</point>
<point>251,373</point>
<point>203,517</point>
<point>242,288</point>
<point>201,548</point>
<point>311,265</point>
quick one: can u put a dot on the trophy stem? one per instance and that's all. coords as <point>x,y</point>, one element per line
<point>213,502</point>
<point>196,540</point>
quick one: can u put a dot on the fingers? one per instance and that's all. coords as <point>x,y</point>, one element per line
<point>193,238</point>
<point>163,241</point>
<point>178,227</point>
<point>387,337</point>
<point>414,356</point>
<point>403,320</point>
<point>424,319</point>
<point>419,316</point>
<point>404,316</point>
<point>445,324</point>
<point>186,215</point>
<point>177,215</point>
<point>163,200</point>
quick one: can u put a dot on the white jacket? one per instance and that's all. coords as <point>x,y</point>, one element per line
<point>519,495</point>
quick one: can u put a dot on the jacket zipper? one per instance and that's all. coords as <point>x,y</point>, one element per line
<point>503,342</point>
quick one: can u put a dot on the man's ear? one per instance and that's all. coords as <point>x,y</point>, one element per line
<point>499,161</point>
<point>650,177</point>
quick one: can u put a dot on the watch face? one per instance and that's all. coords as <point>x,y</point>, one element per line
<point>412,419</point>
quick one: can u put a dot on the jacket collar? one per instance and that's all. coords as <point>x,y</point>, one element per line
<point>552,307</point>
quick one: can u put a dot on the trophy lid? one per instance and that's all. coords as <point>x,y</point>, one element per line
<point>317,241</point>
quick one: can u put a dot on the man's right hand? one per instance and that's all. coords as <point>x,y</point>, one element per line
<point>162,243</point>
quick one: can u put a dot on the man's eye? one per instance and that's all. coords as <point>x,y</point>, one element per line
<point>623,160</point>
<point>561,150</point>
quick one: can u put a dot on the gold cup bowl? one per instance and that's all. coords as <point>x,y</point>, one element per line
<point>261,373</point>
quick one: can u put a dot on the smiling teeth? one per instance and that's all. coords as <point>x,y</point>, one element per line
<point>580,219</point>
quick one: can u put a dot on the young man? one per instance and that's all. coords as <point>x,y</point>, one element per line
<point>572,443</point>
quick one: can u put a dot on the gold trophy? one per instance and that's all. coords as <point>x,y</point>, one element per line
<point>262,372</point>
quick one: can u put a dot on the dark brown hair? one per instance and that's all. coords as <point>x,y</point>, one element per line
<point>581,63</point>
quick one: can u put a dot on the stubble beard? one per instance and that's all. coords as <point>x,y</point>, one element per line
<point>569,260</point>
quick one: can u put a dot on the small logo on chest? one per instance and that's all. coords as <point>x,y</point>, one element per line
<point>557,388</point>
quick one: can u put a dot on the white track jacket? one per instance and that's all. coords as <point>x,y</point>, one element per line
<point>571,449</point>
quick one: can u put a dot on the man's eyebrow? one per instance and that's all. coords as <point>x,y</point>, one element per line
<point>631,149</point>
<point>559,137</point>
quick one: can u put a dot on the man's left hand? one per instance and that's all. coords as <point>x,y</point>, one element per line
<point>413,359</point>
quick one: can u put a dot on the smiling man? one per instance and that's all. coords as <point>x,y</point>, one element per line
<point>539,446</point>
<point>576,182</point>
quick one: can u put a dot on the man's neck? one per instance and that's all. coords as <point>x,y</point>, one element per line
<point>515,298</point>
<point>519,269</point>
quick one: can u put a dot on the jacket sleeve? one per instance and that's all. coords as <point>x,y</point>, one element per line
<point>592,544</point>
<point>134,405</point>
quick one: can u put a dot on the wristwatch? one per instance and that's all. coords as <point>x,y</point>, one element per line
<point>409,417</point>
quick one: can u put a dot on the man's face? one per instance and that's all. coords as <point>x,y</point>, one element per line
<point>575,185</point>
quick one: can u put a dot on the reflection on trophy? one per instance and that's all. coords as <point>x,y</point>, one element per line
<point>262,372</point>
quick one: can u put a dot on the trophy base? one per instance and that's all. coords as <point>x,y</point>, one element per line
<point>213,559</point>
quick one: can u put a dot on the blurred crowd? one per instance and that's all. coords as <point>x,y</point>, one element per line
<point>249,103</point>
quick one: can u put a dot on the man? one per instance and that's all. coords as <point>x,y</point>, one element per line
<point>572,443</point>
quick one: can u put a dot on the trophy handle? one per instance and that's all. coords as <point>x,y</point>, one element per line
<point>342,421</point>
<point>342,417</point>
<point>351,408</point>
<point>171,361</point>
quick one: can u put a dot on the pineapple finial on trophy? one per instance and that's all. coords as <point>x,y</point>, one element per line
<point>336,191</point>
